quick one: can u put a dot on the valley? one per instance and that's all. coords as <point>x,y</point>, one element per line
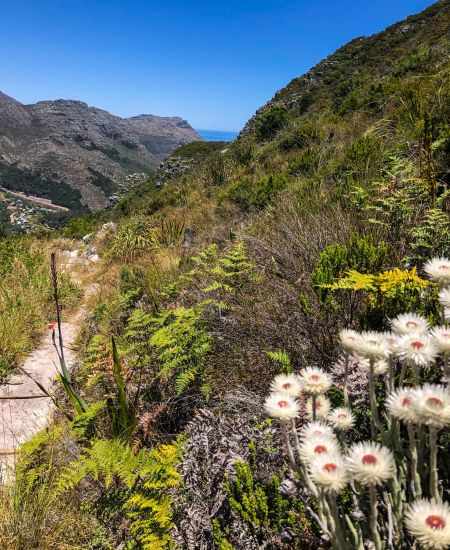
<point>257,330</point>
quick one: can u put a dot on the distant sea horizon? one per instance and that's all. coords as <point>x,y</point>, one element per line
<point>217,135</point>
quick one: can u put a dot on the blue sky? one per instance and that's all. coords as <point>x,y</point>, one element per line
<point>211,62</point>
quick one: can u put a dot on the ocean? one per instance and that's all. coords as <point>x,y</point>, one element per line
<point>217,135</point>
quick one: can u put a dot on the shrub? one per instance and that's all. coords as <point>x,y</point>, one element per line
<point>359,253</point>
<point>248,194</point>
<point>270,122</point>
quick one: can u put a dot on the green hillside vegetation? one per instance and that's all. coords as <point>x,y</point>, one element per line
<point>320,217</point>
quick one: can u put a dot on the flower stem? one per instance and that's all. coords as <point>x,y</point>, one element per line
<point>374,518</point>
<point>338,530</point>
<point>314,408</point>
<point>416,488</point>
<point>287,441</point>
<point>374,420</point>
<point>346,365</point>
<point>434,489</point>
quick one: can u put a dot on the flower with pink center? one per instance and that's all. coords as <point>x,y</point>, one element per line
<point>318,446</point>
<point>400,404</point>
<point>417,349</point>
<point>286,383</point>
<point>438,269</point>
<point>441,338</point>
<point>428,522</point>
<point>323,407</point>
<point>341,419</point>
<point>329,472</point>
<point>432,405</point>
<point>315,381</point>
<point>282,406</point>
<point>370,464</point>
<point>409,323</point>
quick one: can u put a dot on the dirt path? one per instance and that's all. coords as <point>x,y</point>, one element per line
<point>20,419</point>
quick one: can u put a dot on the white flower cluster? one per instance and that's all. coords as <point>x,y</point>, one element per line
<point>286,389</point>
<point>367,463</point>
<point>409,341</point>
<point>327,460</point>
<point>427,405</point>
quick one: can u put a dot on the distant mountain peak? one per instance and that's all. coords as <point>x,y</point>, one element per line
<point>76,154</point>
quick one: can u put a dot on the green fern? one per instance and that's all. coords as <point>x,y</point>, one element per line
<point>181,343</point>
<point>430,238</point>
<point>281,359</point>
<point>147,476</point>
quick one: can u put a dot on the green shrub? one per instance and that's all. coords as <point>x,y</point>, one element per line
<point>255,195</point>
<point>302,135</point>
<point>359,253</point>
<point>270,122</point>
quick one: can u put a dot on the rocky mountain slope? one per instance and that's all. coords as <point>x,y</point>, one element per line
<point>74,154</point>
<point>233,266</point>
<point>363,67</point>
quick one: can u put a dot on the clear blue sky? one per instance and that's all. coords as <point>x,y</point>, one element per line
<point>211,62</point>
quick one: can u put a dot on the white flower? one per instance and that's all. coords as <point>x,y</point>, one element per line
<point>315,381</point>
<point>323,406</point>
<point>409,323</point>
<point>429,522</point>
<point>441,337</point>
<point>432,405</point>
<point>401,405</point>
<point>391,340</point>
<point>447,313</point>
<point>349,339</point>
<point>444,297</point>
<point>286,383</point>
<point>342,419</point>
<point>370,463</point>
<point>418,349</point>
<point>316,429</point>
<point>380,366</point>
<point>372,345</point>
<point>282,406</point>
<point>318,446</point>
<point>438,269</point>
<point>329,472</point>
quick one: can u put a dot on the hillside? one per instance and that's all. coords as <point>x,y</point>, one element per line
<point>248,291</point>
<point>76,155</point>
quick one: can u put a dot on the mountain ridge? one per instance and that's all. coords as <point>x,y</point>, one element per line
<point>76,154</point>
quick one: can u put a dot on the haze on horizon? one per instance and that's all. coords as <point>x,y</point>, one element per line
<point>211,63</point>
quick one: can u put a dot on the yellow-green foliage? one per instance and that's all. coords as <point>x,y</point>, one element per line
<point>358,253</point>
<point>181,343</point>
<point>390,292</point>
<point>260,505</point>
<point>147,476</point>
<point>149,506</point>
